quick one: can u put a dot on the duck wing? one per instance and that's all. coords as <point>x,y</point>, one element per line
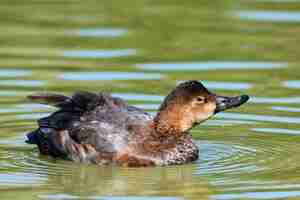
<point>75,130</point>
<point>88,127</point>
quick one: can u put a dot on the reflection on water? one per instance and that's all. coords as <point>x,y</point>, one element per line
<point>33,106</point>
<point>284,100</point>
<point>263,118</point>
<point>275,16</point>
<point>66,197</point>
<point>10,93</point>
<point>107,76</point>
<point>99,53</point>
<point>139,97</point>
<point>99,32</point>
<point>194,66</point>
<point>14,72</point>
<point>22,83</point>
<point>277,130</point>
<point>20,179</point>
<point>292,84</point>
<point>24,108</point>
<point>226,122</point>
<point>227,85</point>
<point>285,108</point>
<point>259,195</point>
<point>148,106</point>
<point>105,182</point>
<point>219,85</point>
<point>33,116</point>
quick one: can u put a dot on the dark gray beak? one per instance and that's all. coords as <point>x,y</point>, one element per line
<point>224,103</point>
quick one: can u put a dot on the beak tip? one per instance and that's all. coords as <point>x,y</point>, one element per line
<point>225,103</point>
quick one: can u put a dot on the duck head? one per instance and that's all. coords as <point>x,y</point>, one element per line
<point>189,104</point>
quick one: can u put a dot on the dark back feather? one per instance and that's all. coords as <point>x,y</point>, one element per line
<point>80,101</point>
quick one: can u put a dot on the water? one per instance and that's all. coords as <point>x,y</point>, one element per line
<point>275,16</point>
<point>106,76</point>
<point>277,130</point>
<point>139,51</point>
<point>14,73</point>
<point>195,66</point>
<point>292,84</point>
<point>99,53</point>
<point>98,32</point>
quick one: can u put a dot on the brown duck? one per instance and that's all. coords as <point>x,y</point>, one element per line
<point>101,129</point>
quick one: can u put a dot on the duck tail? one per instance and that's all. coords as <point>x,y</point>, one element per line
<point>40,139</point>
<point>56,100</point>
<point>80,101</point>
<point>32,137</point>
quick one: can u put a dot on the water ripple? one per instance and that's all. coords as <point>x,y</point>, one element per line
<point>25,108</point>
<point>280,100</point>
<point>277,131</point>
<point>23,83</point>
<point>292,84</point>
<point>258,195</point>
<point>221,65</point>
<point>108,76</point>
<point>285,108</point>
<point>16,159</point>
<point>139,97</point>
<point>255,156</point>
<point>98,32</point>
<point>263,118</point>
<point>100,53</point>
<point>216,158</point>
<point>14,72</point>
<point>270,16</point>
<point>220,158</point>
<point>227,85</point>
<point>11,93</point>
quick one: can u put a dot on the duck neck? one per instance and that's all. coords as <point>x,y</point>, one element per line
<point>170,123</point>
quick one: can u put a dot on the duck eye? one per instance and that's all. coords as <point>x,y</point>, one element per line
<point>200,99</point>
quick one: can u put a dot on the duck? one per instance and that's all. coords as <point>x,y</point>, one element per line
<point>98,128</point>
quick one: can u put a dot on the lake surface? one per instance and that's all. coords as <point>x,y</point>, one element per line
<point>139,50</point>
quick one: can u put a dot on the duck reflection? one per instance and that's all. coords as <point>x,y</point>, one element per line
<point>94,182</point>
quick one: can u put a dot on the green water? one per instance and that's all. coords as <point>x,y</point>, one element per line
<point>139,50</point>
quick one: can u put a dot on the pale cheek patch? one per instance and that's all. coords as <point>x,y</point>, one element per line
<point>203,117</point>
<point>188,115</point>
<point>210,108</point>
<point>207,112</point>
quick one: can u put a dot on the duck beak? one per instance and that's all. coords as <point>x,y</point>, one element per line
<point>224,103</point>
